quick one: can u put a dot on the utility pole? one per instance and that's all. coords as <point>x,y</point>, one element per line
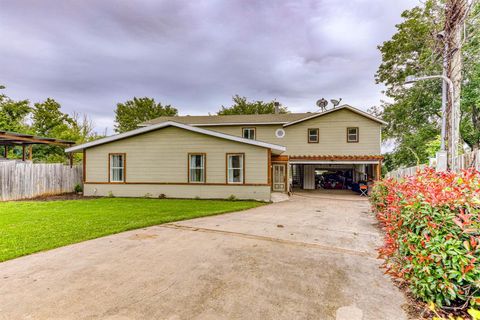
<point>455,15</point>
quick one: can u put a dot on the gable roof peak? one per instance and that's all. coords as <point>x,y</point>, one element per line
<point>342,107</point>
<point>277,149</point>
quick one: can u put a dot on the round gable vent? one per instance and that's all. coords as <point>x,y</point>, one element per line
<point>280,133</point>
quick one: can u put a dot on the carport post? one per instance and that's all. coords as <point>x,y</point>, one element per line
<point>379,170</point>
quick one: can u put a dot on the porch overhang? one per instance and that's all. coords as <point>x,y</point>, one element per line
<point>335,159</point>
<point>334,162</point>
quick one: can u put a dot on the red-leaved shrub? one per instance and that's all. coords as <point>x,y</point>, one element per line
<point>432,239</point>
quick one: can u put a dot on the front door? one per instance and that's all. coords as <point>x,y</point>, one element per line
<point>279,175</point>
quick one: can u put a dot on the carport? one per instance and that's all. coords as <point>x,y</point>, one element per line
<point>10,140</point>
<point>332,172</point>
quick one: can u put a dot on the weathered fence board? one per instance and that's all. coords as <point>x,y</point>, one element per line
<point>22,180</point>
<point>463,161</point>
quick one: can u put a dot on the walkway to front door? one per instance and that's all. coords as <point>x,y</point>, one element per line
<point>312,257</point>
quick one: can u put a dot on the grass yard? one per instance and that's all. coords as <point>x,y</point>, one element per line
<point>31,226</point>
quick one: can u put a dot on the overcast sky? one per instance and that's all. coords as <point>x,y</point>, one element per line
<point>91,54</point>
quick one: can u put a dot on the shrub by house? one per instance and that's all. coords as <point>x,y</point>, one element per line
<point>432,239</point>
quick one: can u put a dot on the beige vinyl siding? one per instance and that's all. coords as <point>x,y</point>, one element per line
<point>332,135</point>
<point>261,193</point>
<point>161,156</point>
<point>264,133</point>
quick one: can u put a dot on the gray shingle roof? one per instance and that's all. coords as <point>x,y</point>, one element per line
<point>285,119</point>
<point>240,119</point>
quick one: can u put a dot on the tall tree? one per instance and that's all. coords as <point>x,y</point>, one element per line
<point>470,122</point>
<point>470,102</point>
<point>414,113</point>
<point>242,106</point>
<point>13,113</point>
<point>44,119</point>
<point>49,120</point>
<point>131,113</point>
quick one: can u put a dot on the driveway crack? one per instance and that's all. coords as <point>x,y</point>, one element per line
<point>339,250</point>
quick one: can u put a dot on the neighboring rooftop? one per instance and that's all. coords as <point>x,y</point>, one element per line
<point>254,119</point>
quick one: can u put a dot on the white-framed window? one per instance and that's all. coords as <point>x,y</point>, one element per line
<point>248,133</point>
<point>313,135</point>
<point>117,167</point>
<point>352,134</point>
<point>196,166</point>
<point>235,168</point>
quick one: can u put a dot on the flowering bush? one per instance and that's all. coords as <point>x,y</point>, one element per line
<point>432,238</point>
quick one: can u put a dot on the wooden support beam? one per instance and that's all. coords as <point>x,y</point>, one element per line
<point>23,152</point>
<point>70,159</point>
<point>85,165</point>
<point>269,165</point>
<point>380,169</point>
<point>30,152</point>
<point>378,175</point>
<point>5,152</point>
<point>6,136</point>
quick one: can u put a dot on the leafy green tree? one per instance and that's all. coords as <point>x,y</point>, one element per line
<point>131,113</point>
<point>242,106</point>
<point>44,119</point>
<point>470,103</point>
<point>414,113</point>
<point>49,120</point>
<point>13,114</point>
<point>470,124</point>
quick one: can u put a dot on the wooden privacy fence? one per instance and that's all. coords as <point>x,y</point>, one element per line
<point>405,172</point>
<point>23,180</point>
<point>463,161</point>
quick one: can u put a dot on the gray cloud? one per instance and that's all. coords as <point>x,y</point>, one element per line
<point>195,55</point>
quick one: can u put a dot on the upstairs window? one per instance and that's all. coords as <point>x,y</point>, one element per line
<point>117,167</point>
<point>235,168</point>
<point>352,134</point>
<point>313,135</point>
<point>196,168</point>
<point>248,133</point>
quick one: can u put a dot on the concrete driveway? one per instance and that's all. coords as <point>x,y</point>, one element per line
<point>312,257</point>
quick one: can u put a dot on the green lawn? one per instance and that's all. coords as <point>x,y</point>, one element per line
<point>32,226</point>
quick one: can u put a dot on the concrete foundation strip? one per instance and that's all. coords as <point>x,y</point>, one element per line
<point>265,238</point>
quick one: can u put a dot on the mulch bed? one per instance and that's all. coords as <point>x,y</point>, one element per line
<point>59,197</point>
<point>415,309</point>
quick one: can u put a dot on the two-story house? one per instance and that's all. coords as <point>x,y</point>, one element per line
<point>246,156</point>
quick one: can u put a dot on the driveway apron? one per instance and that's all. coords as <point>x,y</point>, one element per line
<point>312,257</point>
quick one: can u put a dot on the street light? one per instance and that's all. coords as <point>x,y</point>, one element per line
<point>442,155</point>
